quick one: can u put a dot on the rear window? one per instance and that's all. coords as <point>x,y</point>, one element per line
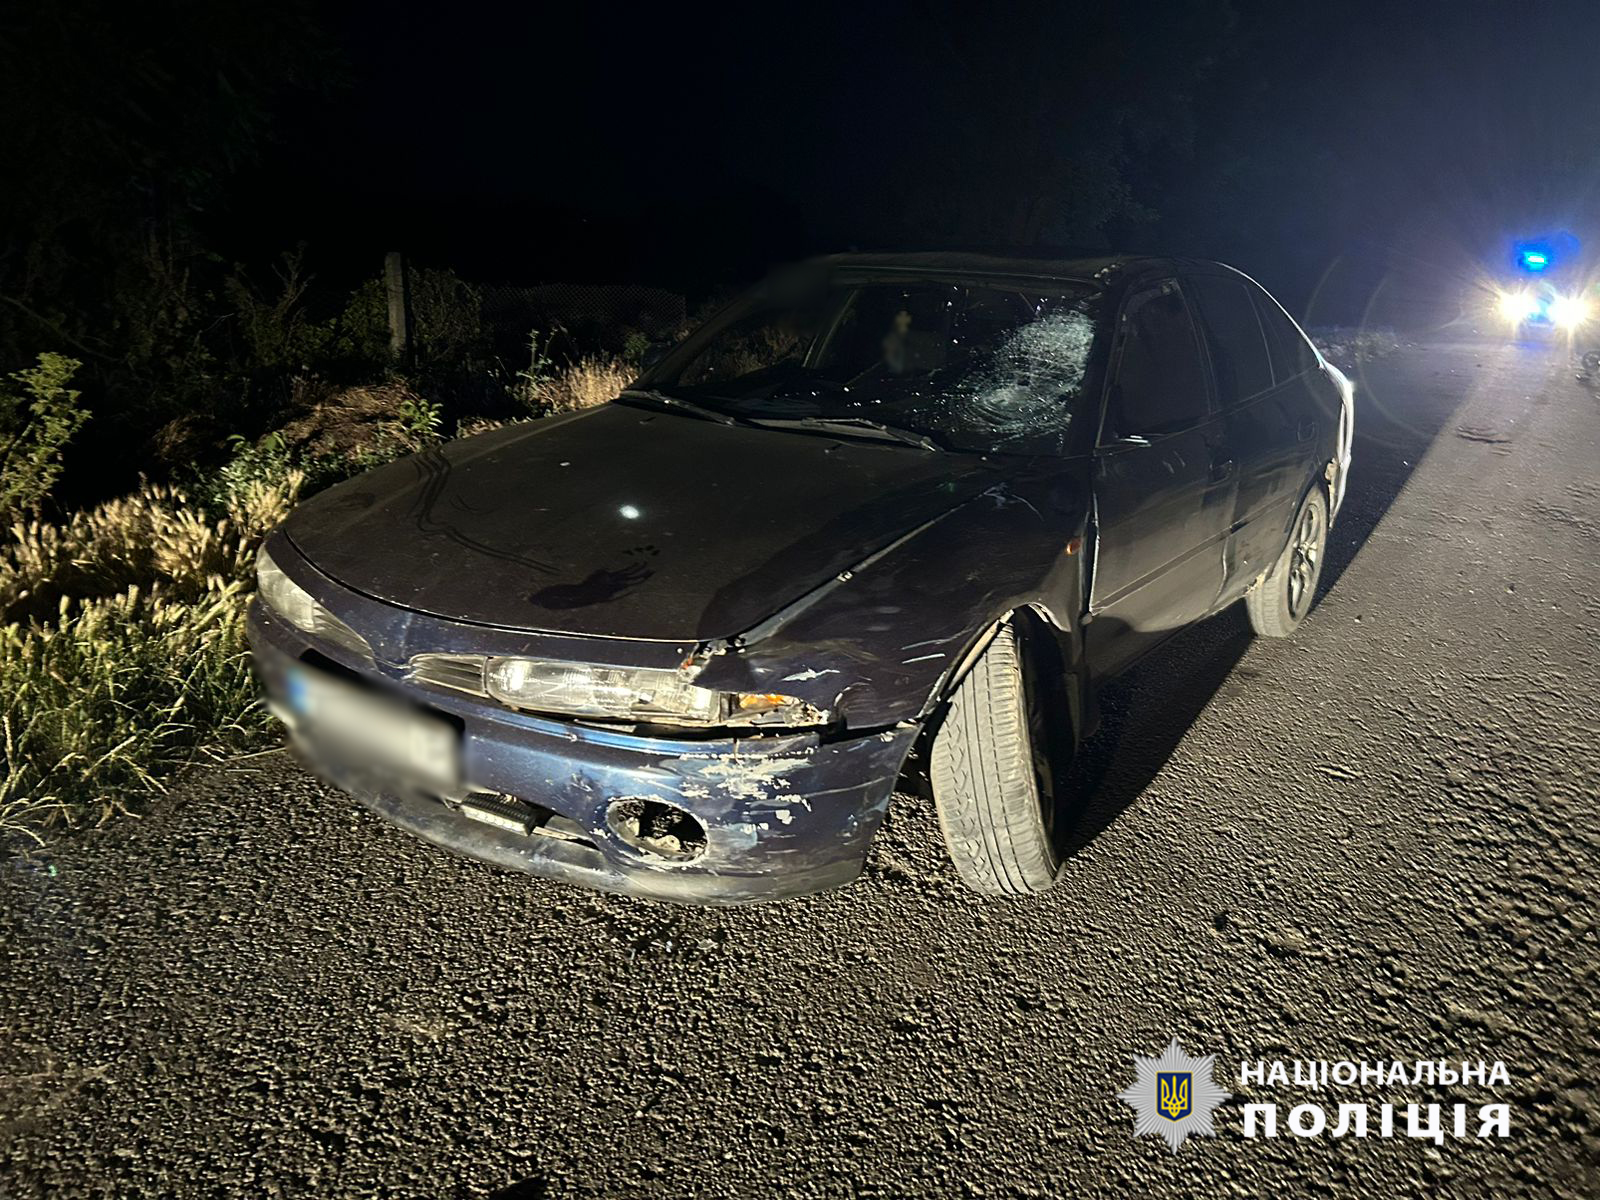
<point>1291,354</point>
<point>1233,332</point>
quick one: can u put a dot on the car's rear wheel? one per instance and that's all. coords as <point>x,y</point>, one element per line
<point>991,774</point>
<point>1281,600</point>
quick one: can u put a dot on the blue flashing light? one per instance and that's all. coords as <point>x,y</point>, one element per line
<point>1549,253</point>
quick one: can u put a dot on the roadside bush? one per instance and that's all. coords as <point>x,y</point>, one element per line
<point>447,313</point>
<point>635,345</point>
<point>266,462</point>
<point>359,335</point>
<point>351,429</point>
<point>39,414</point>
<point>279,350</point>
<point>532,379</point>
<point>276,331</point>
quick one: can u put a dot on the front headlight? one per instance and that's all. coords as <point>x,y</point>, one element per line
<point>288,600</point>
<point>1518,306</point>
<point>639,694</point>
<point>284,596</point>
<point>1569,311</point>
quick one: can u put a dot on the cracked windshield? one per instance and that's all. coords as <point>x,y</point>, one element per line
<point>956,367</point>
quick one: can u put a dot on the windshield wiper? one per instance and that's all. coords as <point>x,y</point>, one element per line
<point>679,404</point>
<point>860,427</point>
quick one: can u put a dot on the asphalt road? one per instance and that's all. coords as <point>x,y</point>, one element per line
<point>1375,841</point>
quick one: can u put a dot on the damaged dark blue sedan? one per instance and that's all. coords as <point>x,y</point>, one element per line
<point>682,645</point>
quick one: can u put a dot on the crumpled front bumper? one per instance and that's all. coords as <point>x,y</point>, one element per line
<point>784,814</point>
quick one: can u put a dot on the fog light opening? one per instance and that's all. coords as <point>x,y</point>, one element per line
<point>657,829</point>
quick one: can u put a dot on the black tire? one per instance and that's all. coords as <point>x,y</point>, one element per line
<point>990,776</point>
<point>1281,600</point>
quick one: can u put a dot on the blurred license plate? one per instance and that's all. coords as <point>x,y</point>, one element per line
<point>368,730</point>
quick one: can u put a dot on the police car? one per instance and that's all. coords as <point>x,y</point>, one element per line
<point>1546,297</point>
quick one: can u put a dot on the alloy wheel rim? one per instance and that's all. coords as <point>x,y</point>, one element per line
<point>1304,560</point>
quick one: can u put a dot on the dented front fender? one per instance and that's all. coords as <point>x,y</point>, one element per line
<point>882,643</point>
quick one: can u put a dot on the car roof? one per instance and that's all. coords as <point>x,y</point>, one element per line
<point>1105,268</point>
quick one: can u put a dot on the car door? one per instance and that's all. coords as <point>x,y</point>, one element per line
<point>1260,420</point>
<point>1163,480</point>
<point>1290,424</point>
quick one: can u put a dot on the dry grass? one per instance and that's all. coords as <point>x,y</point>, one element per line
<point>349,425</point>
<point>122,652</point>
<point>156,536</point>
<point>586,383</point>
<point>473,426</point>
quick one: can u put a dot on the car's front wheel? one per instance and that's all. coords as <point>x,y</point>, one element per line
<point>1281,600</point>
<point>991,776</point>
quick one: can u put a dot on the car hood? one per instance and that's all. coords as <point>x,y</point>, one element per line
<point>623,522</point>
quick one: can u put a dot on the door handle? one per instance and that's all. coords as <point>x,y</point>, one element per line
<point>1306,431</point>
<point>1221,469</point>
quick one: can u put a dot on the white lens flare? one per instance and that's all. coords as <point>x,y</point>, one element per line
<point>1569,311</point>
<point>1517,306</point>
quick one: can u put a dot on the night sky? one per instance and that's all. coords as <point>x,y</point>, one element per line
<point>1324,148</point>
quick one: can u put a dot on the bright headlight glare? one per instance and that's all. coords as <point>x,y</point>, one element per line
<point>1569,311</point>
<point>284,596</point>
<point>1517,306</point>
<point>640,694</point>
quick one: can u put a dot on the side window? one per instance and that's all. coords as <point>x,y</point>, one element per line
<point>1160,381</point>
<point>1291,354</point>
<point>1233,332</point>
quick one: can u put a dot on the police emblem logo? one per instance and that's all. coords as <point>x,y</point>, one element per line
<point>1173,1096</point>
